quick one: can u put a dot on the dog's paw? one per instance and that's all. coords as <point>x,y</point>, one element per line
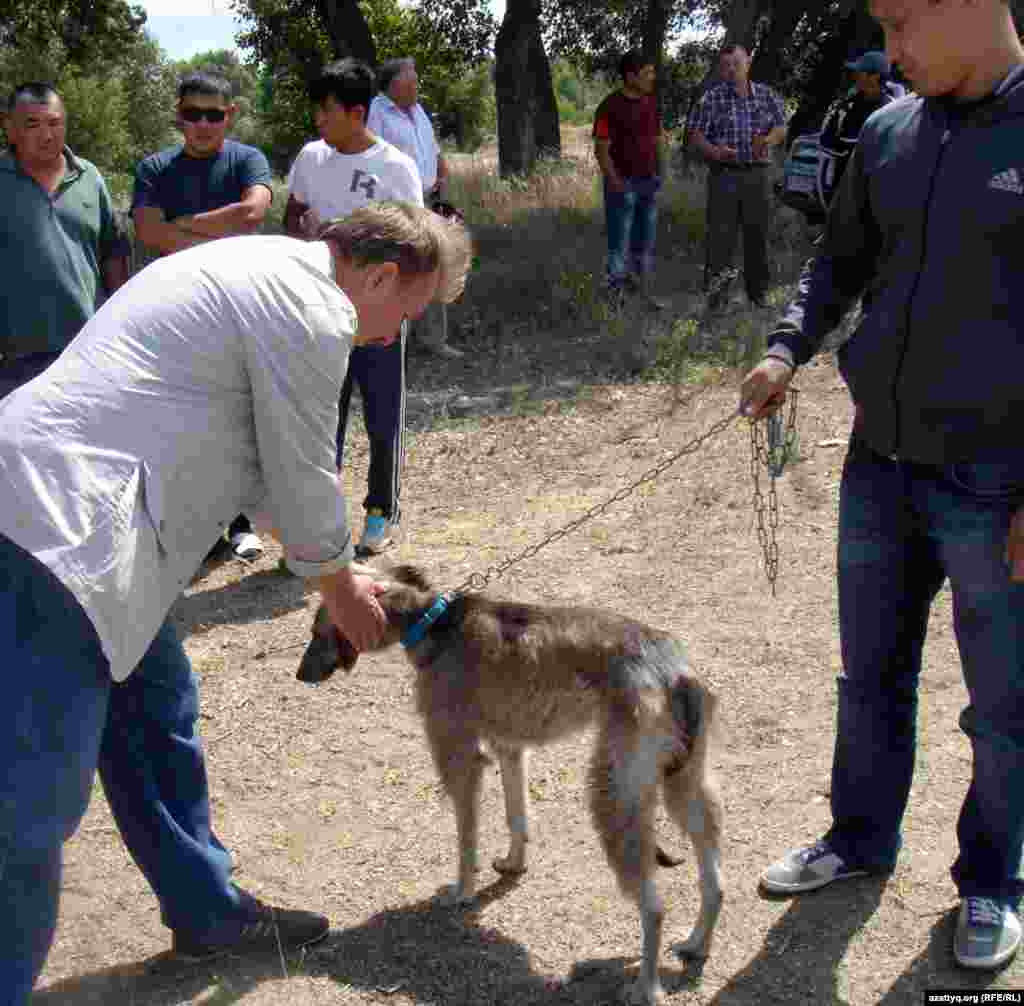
<point>510,865</point>
<point>455,895</point>
<point>641,993</point>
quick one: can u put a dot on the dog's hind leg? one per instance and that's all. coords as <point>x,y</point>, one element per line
<point>623,788</point>
<point>456,755</point>
<point>514,762</point>
<point>693,803</point>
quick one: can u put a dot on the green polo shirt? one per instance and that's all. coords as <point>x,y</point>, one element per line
<point>52,248</point>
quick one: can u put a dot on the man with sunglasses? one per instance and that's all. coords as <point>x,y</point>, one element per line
<point>205,188</point>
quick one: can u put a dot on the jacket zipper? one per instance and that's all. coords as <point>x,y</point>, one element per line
<point>943,144</point>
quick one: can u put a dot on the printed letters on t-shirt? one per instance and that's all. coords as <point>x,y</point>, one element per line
<point>365,181</point>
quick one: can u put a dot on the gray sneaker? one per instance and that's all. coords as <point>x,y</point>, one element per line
<point>987,934</point>
<point>807,869</point>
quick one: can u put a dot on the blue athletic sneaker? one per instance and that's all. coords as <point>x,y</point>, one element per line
<point>377,532</point>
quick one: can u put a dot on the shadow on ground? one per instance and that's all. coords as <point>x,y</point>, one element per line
<point>259,596</point>
<point>800,958</point>
<point>434,954</point>
<point>429,952</point>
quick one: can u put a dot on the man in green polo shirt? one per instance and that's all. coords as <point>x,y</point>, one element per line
<point>60,246</point>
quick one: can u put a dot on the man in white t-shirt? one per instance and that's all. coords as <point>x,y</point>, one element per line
<point>332,177</point>
<point>397,117</point>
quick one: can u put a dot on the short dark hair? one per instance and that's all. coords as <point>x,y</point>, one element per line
<point>350,82</point>
<point>35,92</point>
<point>207,81</point>
<point>390,69</point>
<point>633,62</point>
<point>728,50</point>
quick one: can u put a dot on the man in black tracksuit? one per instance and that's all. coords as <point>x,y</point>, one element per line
<point>843,125</point>
<point>927,226</point>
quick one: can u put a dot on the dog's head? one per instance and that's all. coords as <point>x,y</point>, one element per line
<point>408,592</point>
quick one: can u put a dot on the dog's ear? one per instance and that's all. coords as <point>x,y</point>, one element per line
<point>327,651</point>
<point>410,576</point>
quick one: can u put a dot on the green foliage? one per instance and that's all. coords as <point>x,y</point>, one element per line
<point>464,108</point>
<point>97,112</point>
<point>115,115</point>
<point>577,92</point>
<point>448,40</point>
<point>69,32</point>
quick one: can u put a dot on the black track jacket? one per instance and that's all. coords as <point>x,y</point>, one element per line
<point>928,225</point>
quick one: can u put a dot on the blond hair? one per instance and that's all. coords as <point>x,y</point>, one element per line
<point>416,239</point>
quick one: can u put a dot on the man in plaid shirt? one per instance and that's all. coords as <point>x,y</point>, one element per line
<point>734,126</point>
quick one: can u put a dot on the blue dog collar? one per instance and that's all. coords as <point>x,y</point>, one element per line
<point>430,616</point>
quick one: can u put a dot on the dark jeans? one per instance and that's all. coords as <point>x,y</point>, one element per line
<point>739,199</point>
<point>903,529</point>
<point>379,372</point>
<point>61,718</point>
<point>631,219</point>
<point>15,373</point>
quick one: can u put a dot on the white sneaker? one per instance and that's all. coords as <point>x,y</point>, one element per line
<point>987,934</point>
<point>807,869</point>
<point>246,545</point>
<point>377,533</point>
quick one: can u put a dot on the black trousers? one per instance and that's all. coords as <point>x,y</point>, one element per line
<point>739,199</point>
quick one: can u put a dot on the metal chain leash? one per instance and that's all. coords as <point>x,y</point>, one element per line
<point>479,580</point>
<point>771,448</point>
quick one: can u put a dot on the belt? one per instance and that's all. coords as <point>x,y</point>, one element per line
<point>742,166</point>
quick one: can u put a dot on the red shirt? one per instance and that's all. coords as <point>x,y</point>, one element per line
<point>632,127</point>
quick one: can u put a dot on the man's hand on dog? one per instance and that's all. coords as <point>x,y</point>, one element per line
<point>763,390</point>
<point>351,601</point>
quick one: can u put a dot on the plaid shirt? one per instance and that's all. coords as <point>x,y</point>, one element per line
<point>728,120</point>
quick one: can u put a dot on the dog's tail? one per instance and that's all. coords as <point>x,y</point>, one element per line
<point>692,708</point>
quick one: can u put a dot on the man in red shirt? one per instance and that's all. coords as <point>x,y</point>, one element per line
<point>629,148</point>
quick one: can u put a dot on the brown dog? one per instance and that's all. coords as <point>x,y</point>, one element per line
<point>519,676</point>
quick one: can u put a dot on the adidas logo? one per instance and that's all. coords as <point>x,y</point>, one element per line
<point>1009,180</point>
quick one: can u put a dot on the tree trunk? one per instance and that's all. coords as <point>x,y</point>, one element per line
<point>527,108</point>
<point>786,16</point>
<point>741,22</point>
<point>347,27</point>
<point>655,30</point>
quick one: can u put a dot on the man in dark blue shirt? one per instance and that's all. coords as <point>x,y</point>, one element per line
<point>205,188</point>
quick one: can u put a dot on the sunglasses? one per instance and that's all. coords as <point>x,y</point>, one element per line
<point>210,114</point>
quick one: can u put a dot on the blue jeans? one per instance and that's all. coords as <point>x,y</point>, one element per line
<point>631,219</point>
<point>903,529</point>
<point>61,718</point>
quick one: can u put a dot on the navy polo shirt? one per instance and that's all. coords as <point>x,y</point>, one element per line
<point>181,185</point>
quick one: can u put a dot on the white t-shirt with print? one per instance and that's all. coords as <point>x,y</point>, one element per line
<point>335,185</point>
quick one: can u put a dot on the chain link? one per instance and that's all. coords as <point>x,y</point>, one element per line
<point>479,580</point>
<point>771,448</point>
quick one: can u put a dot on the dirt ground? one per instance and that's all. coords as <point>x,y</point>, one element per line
<point>326,795</point>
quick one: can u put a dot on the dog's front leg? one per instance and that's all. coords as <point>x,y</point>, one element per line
<point>517,810</point>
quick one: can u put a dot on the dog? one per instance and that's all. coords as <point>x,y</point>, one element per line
<point>518,676</point>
